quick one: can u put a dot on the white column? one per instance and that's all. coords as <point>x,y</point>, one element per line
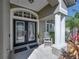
<point>57,30</point>
<point>63,30</point>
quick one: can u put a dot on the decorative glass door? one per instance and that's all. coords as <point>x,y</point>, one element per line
<point>31,31</point>
<point>24,32</point>
<point>20,31</point>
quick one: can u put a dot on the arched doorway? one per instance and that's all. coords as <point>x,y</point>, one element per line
<point>24,26</point>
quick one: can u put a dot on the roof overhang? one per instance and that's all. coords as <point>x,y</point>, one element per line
<point>70,3</point>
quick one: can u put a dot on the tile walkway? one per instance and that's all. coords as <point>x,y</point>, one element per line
<point>45,52</point>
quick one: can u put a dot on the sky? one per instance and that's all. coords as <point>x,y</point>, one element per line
<point>72,10</point>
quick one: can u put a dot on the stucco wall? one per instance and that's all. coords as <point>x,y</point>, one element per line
<point>4,29</point>
<point>42,24</point>
<point>41,30</point>
<point>1,32</point>
<point>46,11</point>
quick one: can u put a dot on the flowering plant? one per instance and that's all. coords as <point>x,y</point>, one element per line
<point>76,38</point>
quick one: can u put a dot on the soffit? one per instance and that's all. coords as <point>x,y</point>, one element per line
<point>36,5</point>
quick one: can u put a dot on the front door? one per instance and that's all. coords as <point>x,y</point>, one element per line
<point>24,37</point>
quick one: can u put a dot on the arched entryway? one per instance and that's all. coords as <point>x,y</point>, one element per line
<point>24,26</point>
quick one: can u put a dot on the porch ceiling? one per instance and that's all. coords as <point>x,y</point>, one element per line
<point>37,5</point>
<point>69,2</point>
<point>53,2</point>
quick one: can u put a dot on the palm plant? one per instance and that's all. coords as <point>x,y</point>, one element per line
<point>70,23</point>
<point>77,20</point>
<point>73,22</point>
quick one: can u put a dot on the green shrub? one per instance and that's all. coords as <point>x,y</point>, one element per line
<point>52,35</point>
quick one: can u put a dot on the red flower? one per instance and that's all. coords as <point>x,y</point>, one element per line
<point>76,37</point>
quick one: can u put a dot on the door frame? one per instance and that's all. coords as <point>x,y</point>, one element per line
<point>12,17</point>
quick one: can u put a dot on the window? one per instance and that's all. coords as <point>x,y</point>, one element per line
<point>50,26</point>
<point>25,14</point>
<point>50,29</point>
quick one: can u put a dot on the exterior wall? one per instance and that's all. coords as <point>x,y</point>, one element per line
<point>41,30</point>
<point>42,25</point>
<point>46,11</point>
<point>4,29</point>
<point>13,6</point>
<point>1,31</point>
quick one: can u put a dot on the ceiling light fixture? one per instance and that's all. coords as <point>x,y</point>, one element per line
<point>31,1</point>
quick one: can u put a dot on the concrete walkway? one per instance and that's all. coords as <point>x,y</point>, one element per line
<point>45,52</point>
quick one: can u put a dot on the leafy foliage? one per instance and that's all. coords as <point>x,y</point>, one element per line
<point>77,20</point>
<point>52,35</point>
<point>77,15</point>
<point>73,22</point>
<point>70,23</point>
